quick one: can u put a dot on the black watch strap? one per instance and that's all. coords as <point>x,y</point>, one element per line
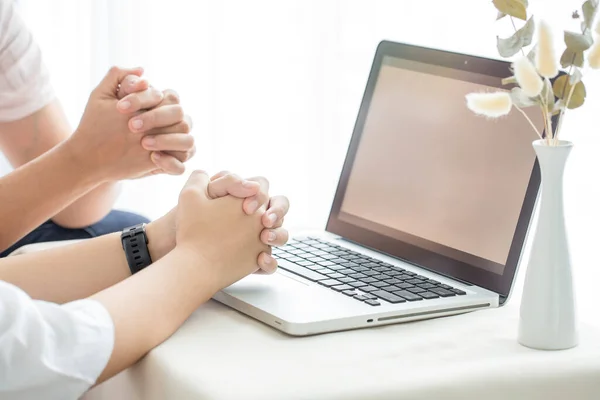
<point>135,244</point>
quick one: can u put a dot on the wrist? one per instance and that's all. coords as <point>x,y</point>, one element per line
<point>76,152</point>
<point>193,265</point>
<point>161,236</point>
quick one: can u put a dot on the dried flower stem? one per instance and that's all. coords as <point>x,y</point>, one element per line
<point>529,120</point>
<point>560,120</point>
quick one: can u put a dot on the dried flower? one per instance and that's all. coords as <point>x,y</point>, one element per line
<point>594,55</point>
<point>527,77</point>
<point>491,105</point>
<point>545,57</point>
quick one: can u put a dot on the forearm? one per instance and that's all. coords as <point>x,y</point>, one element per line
<point>79,270</point>
<point>147,308</point>
<point>90,208</point>
<point>31,137</point>
<point>38,190</point>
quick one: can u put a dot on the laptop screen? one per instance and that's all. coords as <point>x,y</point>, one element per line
<point>446,186</point>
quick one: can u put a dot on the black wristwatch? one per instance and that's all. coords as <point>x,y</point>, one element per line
<point>135,244</point>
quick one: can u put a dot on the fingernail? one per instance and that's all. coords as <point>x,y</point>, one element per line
<point>270,262</point>
<point>272,218</point>
<point>253,206</point>
<point>133,80</point>
<point>149,142</point>
<point>123,105</point>
<point>137,124</point>
<point>272,236</point>
<point>156,155</point>
<point>248,184</point>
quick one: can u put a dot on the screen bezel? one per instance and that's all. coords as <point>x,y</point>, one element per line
<point>421,257</point>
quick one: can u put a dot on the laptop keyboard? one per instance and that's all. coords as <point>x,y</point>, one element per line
<point>357,276</point>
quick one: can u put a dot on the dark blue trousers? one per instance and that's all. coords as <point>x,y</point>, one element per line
<point>115,221</point>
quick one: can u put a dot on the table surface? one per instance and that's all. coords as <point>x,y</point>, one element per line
<point>222,354</point>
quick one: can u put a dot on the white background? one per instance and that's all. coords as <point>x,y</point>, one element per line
<point>273,87</point>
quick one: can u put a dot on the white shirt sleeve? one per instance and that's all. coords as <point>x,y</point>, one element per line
<point>24,81</point>
<point>49,351</point>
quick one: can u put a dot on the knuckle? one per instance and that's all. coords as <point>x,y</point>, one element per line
<point>114,70</point>
<point>185,126</point>
<point>178,112</point>
<point>171,96</point>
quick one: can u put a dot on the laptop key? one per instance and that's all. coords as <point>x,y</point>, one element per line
<point>393,281</point>
<point>442,292</point>
<point>326,263</point>
<point>389,297</point>
<point>360,297</point>
<point>381,277</point>
<point>414,281</point>
<point>347,280</point>
<point>390,288</point>
<point>428,295</point>
<point>378,284</point>
<point>356,284</point>
<point>350,293</point>
<point>427,285</point>
<point>341,288</point>
<point>370,273</point>
<point>372,302</point>
<point>368,289</point>
<point>349,264</point>
<point>408,295</point>
<point>303,272</point>
<point>357,275</point>
<point>315,259</point>
<point>346,271</point>
<point>458,291</point>
<point>294,259</point>
<point>416,290</point>
<point>447,287</point>
<point>369,280</point>
<point>335,275</point>
<point>405,285</point>
<point>329,282</point>
<point>369,296</point>
<point>305,263</point>
<point>328,256</point>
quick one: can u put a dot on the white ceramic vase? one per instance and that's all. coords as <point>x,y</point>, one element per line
<point>547,318</point>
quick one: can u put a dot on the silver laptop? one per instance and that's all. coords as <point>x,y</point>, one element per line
<point>431,210</point>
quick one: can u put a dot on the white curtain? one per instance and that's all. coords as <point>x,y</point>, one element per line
<point>273,86</point>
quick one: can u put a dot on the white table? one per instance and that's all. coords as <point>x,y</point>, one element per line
<point>222,354</point>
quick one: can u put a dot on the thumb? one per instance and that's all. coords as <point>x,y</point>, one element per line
<point>111,81</point>
<point>197,184</point>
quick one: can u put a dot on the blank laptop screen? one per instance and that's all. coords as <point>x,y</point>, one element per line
<point>429,172</point>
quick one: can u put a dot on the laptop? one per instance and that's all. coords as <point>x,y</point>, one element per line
<point>431,211</point>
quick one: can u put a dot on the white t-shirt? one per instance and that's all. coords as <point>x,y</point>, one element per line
<point>50,351</point>
<point>24,81</point>
<point>47,351</point>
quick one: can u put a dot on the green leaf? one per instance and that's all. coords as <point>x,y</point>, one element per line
<point>510,46</point>
<point>577,41</point>
<point>562,88</point>
<point>509,80</point>
<point>531,55</point>
<point>520,99</point>
<point>589,8</point>
<point>570,57</point>
<point>514,8</point>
